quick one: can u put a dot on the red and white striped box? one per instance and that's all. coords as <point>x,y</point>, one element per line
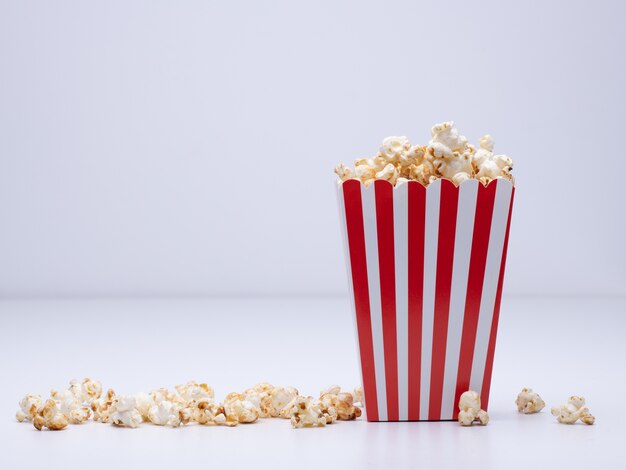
<point>425,268</point>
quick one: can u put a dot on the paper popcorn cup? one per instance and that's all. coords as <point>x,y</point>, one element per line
<point>425,269</point>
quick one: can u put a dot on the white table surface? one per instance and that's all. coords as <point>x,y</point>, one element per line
<point>558,346</point>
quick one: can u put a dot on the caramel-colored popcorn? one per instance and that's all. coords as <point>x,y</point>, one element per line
<point>50,416</point>
<point>470,411</point>
<point>341,402</point>
<point>573,411</point>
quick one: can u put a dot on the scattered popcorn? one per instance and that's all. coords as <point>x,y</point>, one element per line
<point>529,402</point>
<point>448,155</point>
<point>469,409</point>
<point>306,413</point>
<point>572,411</point>
<point>124,412</point>
<point>49,416</point>
<point>193,403</point>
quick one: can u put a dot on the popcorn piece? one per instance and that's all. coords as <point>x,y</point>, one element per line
<point>50,416</point>
<point>90,390</point>
<point>469,409</point>
<point>102,407</point>
<point>486,142</point>
<point>278,401</point>
<point>389,173</point>
<point>28,407</point>
<point>344,172</point>
<point>205,412</point>
<point>341,403</point>
<point>394,148</point>
<point>124,412</point>
<point>572,411</point>
<point>529,402</point>
<point>70,403</point>
<point>237,407</point>
<point>167,413</point>
<point>306,413</point>
<point>446,136</point>
<point>195,391</point>
<point>163,394</point>
<point>144,403</point>
<point>460,177</point>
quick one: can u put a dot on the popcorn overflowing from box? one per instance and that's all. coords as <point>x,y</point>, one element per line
<point>448,155</point>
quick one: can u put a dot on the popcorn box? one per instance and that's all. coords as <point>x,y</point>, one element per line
<point>425,268</point>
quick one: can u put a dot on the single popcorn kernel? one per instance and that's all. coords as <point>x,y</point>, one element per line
<point>470,411</point>
<point>167,413</point>
<point>306,413</point>
<point>49,416</point>
<point>573,411</point>
<point>28,407</point>
<point>124,412</point>
<point>102,407</point>
<point>341,402</point>
<point>91,390</point>
<point>237,407</point>
<point>529,402</point>
<point>70,403</point>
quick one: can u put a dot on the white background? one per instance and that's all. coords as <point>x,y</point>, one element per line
<point>186,148</point>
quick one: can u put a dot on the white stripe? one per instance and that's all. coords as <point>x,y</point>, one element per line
<point>490,284</point>
<point>431,237</point>
<point>401,251</point>
<point>373,279</point>
<point>468,193</point>
<point>346,251</point>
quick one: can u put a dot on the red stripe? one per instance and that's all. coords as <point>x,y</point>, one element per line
<point>496,314</point>
<point>416,223</point>
<point>387,272</point>
<point>358,265</point>
<point>445,255</point>
<point>478,260</point>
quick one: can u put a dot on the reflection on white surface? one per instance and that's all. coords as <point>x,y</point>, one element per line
<point>137,345</point>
